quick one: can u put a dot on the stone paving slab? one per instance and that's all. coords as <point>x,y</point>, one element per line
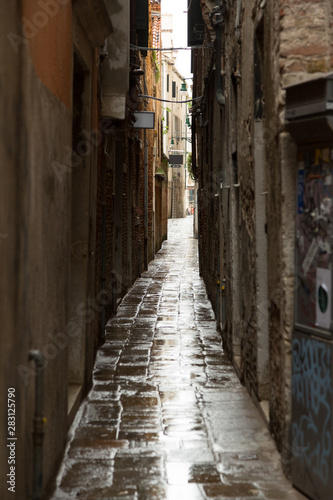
<point>167,417</point>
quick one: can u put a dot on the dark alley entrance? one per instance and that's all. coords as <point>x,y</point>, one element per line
<point>167,417</point>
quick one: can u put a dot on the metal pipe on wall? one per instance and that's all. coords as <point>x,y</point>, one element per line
<point>237,22</point>
<point>103,277</point>
<point>219,91</point>
<point>103,312</point>
<point>38,425</point>
<point>145,177</point>
<point>224,298</point>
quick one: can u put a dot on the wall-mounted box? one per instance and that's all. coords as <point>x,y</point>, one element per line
<point>115,61</point>
<point>195,23</point>
<point>309,110</point>
<point>309,119</point>
<point>175,159</point>
<point>144,119</point>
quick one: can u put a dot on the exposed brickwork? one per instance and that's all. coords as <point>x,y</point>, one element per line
<point>265,46</point>
<point>99,239</point>
<point>156,26</point>
<point>301,40</point>
<point>132,199</point>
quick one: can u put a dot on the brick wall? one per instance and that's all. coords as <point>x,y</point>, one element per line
<point>158,213</point>
<point>138,211</point>
<point>125,151</point>
<point>99,241</point>
<point>273,46</point>
<point>126,279</point>
<point>161,193</point>
<point>104,215</point>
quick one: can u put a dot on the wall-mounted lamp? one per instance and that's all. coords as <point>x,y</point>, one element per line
<point>178,138</point>
<point>184,86</point>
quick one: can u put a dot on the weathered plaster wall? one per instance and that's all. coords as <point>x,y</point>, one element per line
<point>36,212</point>
<point>266,46</point>
<point>35,205</point>
<point>48,30</point>
<point>11,168</point>
<point>45,253</point>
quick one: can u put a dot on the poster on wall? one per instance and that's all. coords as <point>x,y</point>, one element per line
<point>323,298</point>
<point>314,227</point>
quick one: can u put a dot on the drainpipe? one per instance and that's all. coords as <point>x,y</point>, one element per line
<point>38,425</point>
<point>218,296</point>
<point>219,92</point>
<point>103,277</point>
<point>237,22</point>
<point>195,169</point>
<point>146,197</point>
<point>223,289</point>
<point>140,256</point>
<point>145,175</point>
<point>103,315</point>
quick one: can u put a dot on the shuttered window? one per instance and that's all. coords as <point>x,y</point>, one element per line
<point>142,24</point>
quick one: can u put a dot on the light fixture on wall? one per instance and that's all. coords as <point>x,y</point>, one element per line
<point>180,138</point>
<point>183,88</point>
<point>137,72</point>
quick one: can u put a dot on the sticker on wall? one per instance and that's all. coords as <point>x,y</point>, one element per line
<point>311,253</point>
<point>326,155</point>
<point>328,178</point>
<point>318,156</point>
<point>323,298</point>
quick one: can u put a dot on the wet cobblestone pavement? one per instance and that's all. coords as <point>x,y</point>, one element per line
<point>167,418</point>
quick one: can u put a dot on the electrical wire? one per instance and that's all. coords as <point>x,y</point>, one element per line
<point>188,8</point>
<point>167,100</point>
<point>170,49</point>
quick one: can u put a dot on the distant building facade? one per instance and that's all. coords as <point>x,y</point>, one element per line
<point>176,132</point>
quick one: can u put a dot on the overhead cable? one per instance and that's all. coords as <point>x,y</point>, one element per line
<point>170,49</point>
<point>167,100</point>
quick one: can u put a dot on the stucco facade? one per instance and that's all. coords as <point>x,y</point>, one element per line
<point>174,123</point>
<point>73,210</point>
<point>39,216</point>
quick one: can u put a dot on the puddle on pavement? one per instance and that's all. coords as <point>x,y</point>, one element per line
<point>167,418</point>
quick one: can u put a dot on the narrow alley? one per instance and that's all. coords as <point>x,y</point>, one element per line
<point>167,417</point>
<point>166,249</point>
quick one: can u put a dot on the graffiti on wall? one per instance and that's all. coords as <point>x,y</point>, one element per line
<point>312,394</point>
<point>314,229</point>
